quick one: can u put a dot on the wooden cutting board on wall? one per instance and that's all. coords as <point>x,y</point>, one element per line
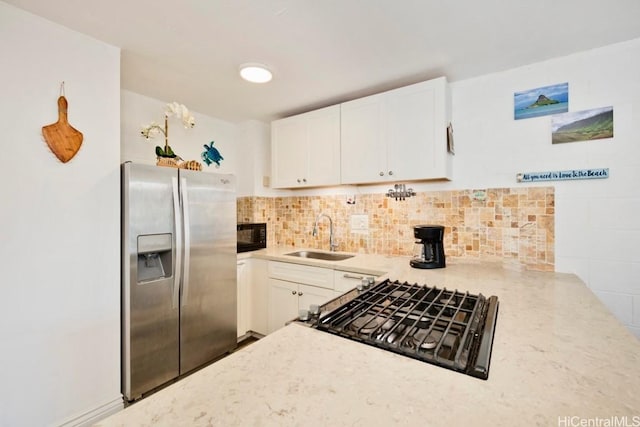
<point>62,138</point>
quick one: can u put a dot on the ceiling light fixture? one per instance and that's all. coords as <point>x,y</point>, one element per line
<point>255,73</point>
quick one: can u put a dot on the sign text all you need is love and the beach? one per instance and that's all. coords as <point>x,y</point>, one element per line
<point>600,173</point>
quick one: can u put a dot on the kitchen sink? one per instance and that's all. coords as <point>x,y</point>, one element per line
<point>325,256</point>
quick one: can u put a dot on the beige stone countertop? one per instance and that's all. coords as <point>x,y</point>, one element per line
<point>559,359</point>
<point>360,263</point>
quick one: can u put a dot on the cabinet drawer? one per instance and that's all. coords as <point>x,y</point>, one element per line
<point>344,281</point>
<point>308,275</point>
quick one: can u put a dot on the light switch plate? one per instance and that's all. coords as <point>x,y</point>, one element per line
<point>359,223</point>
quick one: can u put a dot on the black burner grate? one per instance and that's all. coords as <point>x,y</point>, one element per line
<point>447,328</point>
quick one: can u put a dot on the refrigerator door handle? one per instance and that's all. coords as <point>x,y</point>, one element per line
<point>177,217</point>
<point>187,240</point>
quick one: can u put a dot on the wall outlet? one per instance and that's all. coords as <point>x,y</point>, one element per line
<point>266,181</point>
<point>359,224</point>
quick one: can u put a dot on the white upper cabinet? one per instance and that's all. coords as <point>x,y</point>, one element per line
<point>365,151</point>
<point>305,149</point>
<point>399,135</point>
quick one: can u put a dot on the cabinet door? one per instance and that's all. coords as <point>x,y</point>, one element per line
<point>363,156</point>
<point>283,303</point>
<point>305,149</point>
<point>308,295</point>
<point>323,131</point>
<point>398,135</point>
<point>289,152</point>
<point>258,296</point>
<point>416,131</point>
<point>243,298</point>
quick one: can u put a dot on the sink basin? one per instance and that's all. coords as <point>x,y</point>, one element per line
<point>325,256</point>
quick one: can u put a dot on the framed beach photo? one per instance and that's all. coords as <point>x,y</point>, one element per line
<point>542,101</point>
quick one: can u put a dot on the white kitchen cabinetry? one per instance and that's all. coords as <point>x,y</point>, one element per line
<point>259,297</point>
<point>253,295</point>
<point>287,298</point>
<point>243,274</point>
<point>296,286</point>
<point>305,149</point>
<point>399,135</point>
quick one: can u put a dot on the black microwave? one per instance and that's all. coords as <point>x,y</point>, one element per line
<point>252,236</point>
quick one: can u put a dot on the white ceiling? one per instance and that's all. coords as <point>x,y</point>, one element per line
<point>327,51</point>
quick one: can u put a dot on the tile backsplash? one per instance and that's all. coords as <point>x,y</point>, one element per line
<point>511,225</point>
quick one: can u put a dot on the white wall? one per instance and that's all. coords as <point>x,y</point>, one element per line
<point>59,251</point>
<point>597,231</point>
<point>254,143</point>
<point>139,111</point>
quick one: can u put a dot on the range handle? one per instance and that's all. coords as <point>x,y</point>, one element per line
<point>177,217</point>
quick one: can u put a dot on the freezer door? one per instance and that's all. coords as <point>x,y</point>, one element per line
<point>150,353</point>
<point>208,298</point>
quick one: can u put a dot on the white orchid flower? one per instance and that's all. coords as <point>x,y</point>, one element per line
<point>180,111</point>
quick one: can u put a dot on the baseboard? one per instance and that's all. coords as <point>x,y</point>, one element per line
<point>91,417</point>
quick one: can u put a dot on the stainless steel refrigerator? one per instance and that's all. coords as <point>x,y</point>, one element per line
<point>178,273</point>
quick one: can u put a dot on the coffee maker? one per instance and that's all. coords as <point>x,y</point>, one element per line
<point>428,249</point>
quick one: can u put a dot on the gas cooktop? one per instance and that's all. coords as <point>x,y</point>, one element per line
<point>443,327</point>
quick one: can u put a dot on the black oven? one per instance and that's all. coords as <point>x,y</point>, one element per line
<point>252,236</point>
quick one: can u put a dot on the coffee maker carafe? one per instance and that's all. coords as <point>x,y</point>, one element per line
<point>428,250</point>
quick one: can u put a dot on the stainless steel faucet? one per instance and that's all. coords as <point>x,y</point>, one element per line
<point>332,245</point>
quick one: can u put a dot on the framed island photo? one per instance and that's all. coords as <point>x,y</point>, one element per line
<point>541,101</point>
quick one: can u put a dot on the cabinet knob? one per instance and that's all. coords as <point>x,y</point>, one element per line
<point>300,294</point>
<point>304,179</point>
<point>381,173</point>
<point>293,292</point>
<point>390,172</point>
<point>298,180</point>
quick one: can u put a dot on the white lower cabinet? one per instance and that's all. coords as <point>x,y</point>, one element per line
<point>253,296</point>
<point>292,287</point>
<point>296,286</point>
<point>243,273</point>
<point>283,303</point>
<point>259,297</point>
<point>287,298</point>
